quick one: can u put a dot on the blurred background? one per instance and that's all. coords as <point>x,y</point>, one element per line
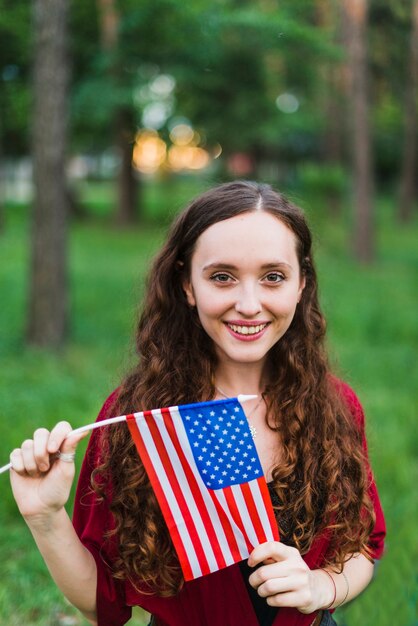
<point>114,114</point>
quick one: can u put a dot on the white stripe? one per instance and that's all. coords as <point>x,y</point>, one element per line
<point>261,510</point>
<point>213,514</point>
<point>168,492</point>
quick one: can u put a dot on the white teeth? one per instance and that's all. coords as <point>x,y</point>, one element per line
<point>247,330</point>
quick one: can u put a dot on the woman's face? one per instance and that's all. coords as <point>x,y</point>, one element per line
<point>245,283</point>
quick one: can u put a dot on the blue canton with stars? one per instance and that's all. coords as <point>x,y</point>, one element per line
<point>221,442</point>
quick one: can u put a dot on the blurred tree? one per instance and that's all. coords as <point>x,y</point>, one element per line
<point>355,15</point>
<point>123,116</point>
<point>48,285</point>
<point>409,161</point>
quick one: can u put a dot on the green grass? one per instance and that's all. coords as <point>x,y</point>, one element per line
<point>373,336</point>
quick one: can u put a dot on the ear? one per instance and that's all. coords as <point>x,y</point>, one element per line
<point>188,290</point>
<point>301,287</point>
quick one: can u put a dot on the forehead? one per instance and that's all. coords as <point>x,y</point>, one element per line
<point>256,234</point>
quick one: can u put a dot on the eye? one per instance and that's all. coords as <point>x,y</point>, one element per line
<point>274,277</point>
<point>221,277</point>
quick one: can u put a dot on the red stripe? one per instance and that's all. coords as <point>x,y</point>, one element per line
<point>235,514</point>
<point>159,493</point>
<point>264,490</point>
<point>227,526</point>
<point>195,489</point>
<point>178,493</point>
<point>253,512</point>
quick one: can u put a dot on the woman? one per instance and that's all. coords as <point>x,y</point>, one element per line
<point>231,307</point>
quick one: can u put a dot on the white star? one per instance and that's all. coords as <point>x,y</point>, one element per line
<point>212,413</point>
<point>241,463</point>
<point>252,460</point>
<point>200,436</point>
<point>236,409</point>
<point>196,423</point>
<point>224,473</point>
<point>208,421</point>
<point>237,471</point>
<point>245,475</point>
<point>232,478</point>
<point>224,411</point>
<point>229,465</point>
<point>229,424</point>
<point>229,445</point>
<point>220,481</point>
<point>212,476</point>
<point>192,430</point>
<point>200,458</point>
<point>208,462</point>
<point>216,468</point>
<point>233,458</point>
<point>212,454</point>
<point>221,440</point>
<point>245,454</point>
<point>188,417</point>
<point>196,444</point>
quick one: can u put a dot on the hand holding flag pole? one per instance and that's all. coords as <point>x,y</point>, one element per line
<point>113,420</point>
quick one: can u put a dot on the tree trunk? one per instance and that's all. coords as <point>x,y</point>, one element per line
<point>356,22</point>
<point>48,286</point>
<point>127,184</point>
<point>409,161</point>
<point>328,19</point>
<point>124,127</point>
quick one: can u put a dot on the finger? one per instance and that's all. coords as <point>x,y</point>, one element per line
<point>28,457</point>
<point>270,550</point>
<point>57,436</point>
<point>16,460</point>
<point>276,585</point>
<point>70,443</point>
<point>40,442</point>
<point>290,599</point>
<point>267,572</point>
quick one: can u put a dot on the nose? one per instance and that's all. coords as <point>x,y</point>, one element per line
<point>248,302</point>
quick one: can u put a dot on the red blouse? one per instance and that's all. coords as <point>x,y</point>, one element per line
<point>220,597</point>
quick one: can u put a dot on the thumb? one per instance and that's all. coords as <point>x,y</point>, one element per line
<point>70,443</point>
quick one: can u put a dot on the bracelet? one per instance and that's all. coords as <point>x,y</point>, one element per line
<point>346,591</point>
<point>335,590</point>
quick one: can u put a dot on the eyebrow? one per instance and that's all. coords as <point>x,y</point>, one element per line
<point>229,266</point>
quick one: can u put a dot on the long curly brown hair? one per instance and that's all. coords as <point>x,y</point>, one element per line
<point>322,479</point>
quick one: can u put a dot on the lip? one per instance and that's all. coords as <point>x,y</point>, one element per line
<point>246,324</point>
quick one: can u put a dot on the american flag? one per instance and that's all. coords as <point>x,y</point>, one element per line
<point>204,468</point>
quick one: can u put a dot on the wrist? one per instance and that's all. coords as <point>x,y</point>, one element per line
<point>45,523</point>
<point>326,589</point>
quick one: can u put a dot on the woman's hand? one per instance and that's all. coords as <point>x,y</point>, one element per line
<point>41,482</point>
<point>285,580</point>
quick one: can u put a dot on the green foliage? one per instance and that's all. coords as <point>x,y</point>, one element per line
<point>372,330</point>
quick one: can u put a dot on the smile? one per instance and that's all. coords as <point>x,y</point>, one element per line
<point>253,329</point>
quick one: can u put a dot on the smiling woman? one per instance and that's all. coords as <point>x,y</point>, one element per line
<point>231,307</point>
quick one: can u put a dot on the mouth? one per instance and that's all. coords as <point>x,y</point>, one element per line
<point>247,331</point>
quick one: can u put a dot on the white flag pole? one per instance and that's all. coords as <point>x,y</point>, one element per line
<point>121,418</point>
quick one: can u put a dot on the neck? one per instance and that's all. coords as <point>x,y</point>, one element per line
<point>236,380</point>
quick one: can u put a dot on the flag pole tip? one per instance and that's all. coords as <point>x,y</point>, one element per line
<point>244,398</point>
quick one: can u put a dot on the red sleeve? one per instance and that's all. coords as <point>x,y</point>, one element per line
<point>91,520</point>
<point>377,538</point>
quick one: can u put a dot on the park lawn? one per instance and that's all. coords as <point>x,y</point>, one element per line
<point>372,338</point>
